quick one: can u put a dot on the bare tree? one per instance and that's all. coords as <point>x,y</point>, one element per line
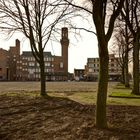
<point>37,20</point>
<point>122,46</point>
<point>131,14</point>
<point>104,14</point>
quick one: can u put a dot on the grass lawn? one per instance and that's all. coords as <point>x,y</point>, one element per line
<point>122,95</point>
<point>117,95</point>
<point>82,92</point>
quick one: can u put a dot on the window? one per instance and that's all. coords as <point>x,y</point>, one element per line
<point>50,59</point>
<point>31,71</point>
<point>32,59</point>
<point>61,64</point>
<point>112,65</point>
<point>46,70</point>
<point>112,70</point>
<point>112,60</point>
<point>91,70</point>
<point>47,64</point>
<point>37,64</point>
<point>37,69</point>
<point>31,64</point>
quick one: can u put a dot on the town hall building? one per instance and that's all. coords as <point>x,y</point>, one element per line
<point>22,67</point>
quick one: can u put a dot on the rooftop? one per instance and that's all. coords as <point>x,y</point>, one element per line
<point>29,53</point>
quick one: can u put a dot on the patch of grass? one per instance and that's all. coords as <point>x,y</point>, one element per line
<point>81,97</point>
<point>22,94</point>
<point>122,86</point>
<point>124,95</point>
<point>120,91</point>
<point>85,98</point>
<point>123,101</point>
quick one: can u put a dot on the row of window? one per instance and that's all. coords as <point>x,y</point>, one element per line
<point>93,70</point>
<point>110,70</point>
<point>33,59</point>
<point>31,71</point>
<point>32,64</point>
<point>91,60</point>
<point>91,65</point>
<point>48,64</point>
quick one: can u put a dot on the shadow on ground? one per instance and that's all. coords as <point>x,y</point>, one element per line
<point>35,118</point>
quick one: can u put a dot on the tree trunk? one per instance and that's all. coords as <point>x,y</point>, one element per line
<point>42,82</point>
<point>42,77</point>
<point>123,76</point>
<point>135,89</point>
<point>101,120</point>
<point>99,16</point>
<point>126,73</point>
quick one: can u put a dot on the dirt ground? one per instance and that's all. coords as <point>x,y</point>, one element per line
<point>34,118</point>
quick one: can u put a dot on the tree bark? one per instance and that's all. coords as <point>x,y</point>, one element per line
<point>43,83</point>
<point>135,89</point>
<point>99,15</point>
<point>101,120</point>
<point>42,76</point>
<point>126,73</point>
<point>123,76</point>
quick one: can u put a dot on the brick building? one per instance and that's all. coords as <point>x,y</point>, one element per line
<point>14,66</point>
<point>4,68</point>
<point>92,68</point>
<point>8,60</point>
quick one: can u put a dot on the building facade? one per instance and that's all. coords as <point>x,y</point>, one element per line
<point>4,68</point>
<point>14,66</point>
<point>92,69</point>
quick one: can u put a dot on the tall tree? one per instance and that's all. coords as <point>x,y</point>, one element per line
<point>103,19</point>
<point>122,46</point>
<point>36,19</point>
<point>126,59</point>
<point>131,14</point>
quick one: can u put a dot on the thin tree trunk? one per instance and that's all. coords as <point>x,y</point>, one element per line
<point>101,120</point>
<point>126,76</point>
<point>42,76</point>
<point>43,81</point>
<point>135,89</point>
<point>126,73</point>
<point>123,77</point>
